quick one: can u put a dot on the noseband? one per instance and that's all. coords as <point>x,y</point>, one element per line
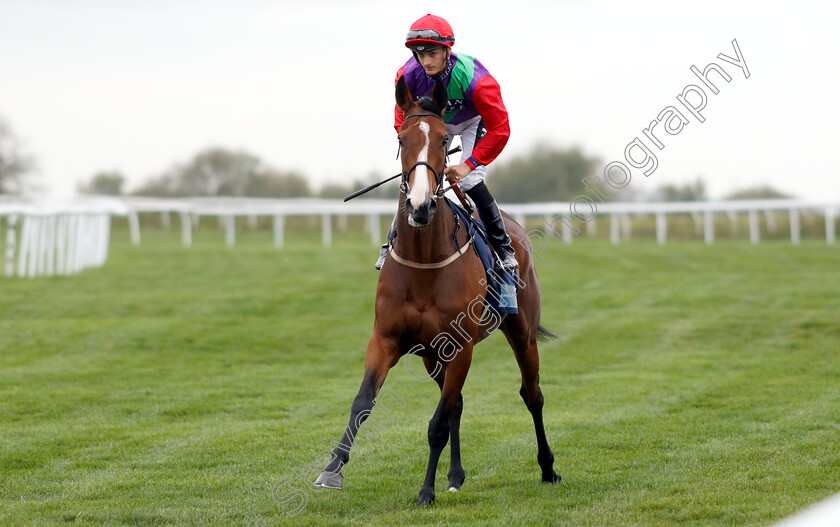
<point>439,191</point>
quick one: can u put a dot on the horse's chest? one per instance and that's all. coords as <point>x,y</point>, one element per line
<point>424,324</point>
<point>421,314</point>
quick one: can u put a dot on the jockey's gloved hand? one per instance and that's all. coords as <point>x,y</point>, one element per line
<point>456,173</point>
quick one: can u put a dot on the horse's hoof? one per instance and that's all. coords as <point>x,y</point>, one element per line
<point>425,499</point>
<point>552,478</point>
<point>456,479</point>
<point>329,480</point>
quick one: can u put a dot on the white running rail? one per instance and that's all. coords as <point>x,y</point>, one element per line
<point>64,238</point>
<point>57,238</point>
<point>557,216</point>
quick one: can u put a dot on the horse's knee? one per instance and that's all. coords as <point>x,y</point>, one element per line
<point>360,404</point>
<point>438,431</point>
<point>367,392</point>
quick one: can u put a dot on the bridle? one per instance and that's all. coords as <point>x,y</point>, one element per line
<point>439,190</point>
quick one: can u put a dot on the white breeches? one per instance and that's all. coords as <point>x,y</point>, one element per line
<point>468,130</point>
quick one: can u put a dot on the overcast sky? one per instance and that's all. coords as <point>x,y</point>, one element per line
<point>140,86</point>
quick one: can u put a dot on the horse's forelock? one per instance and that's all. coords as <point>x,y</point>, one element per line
<point>426,103</point>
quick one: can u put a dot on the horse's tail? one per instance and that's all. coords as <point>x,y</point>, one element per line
<point>544,335</point>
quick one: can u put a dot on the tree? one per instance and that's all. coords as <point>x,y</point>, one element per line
<point>687,192</point>
<point>544,174</point>
<point>14,163</point>
<point>162,187</point>
<point>216,172</point>
<point>336,191</point>
<point>271,183</point>
<point>221,172</point>
<point>760,192</point>
<point>106,183</point>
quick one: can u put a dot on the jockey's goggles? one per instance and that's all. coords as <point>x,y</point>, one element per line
<point>427,34</point>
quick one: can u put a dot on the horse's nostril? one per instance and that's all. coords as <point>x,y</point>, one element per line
<point>418,219</point>
<point>421,215</point>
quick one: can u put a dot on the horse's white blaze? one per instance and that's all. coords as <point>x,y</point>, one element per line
<point>420,190</point>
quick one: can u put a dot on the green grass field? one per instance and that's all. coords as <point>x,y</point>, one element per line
<point>690,384</point>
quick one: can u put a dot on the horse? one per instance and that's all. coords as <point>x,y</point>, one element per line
<point>429,292</point>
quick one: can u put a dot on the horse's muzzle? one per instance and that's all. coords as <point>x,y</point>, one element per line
<point>422,215</point>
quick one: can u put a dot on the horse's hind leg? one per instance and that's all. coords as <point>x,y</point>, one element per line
<point>381,356</point>
<point>456,474</point>
<point>528,358</point>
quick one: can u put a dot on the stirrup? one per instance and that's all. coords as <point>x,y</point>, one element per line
<point>383,255</point>
<point>507,263</point>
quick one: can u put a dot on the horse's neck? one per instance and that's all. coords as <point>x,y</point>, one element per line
<point>430,244</point>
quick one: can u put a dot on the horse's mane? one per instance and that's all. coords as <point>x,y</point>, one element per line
<point>429,105</point>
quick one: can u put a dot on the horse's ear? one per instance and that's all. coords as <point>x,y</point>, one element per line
<point>439,95</point>
<point>404,98</point>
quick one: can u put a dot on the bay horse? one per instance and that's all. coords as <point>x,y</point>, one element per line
<point>427,299</point>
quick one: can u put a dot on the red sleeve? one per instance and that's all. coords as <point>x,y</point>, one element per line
<point>487,99</point>
<point>398,114</point>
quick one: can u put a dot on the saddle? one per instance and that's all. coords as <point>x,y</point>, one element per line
<point>501,286</point>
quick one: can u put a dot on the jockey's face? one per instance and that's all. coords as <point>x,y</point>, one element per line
<point>433,60</point>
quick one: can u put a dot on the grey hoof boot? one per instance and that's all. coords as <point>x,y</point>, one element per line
<point>383,254</point>
<point>329,480</point>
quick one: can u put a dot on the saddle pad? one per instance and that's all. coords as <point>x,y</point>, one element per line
<point>501,286</point>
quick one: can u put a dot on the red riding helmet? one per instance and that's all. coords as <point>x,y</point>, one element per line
<point>430,30</point>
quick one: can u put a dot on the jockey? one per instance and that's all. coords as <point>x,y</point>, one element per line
<point>475,112</point>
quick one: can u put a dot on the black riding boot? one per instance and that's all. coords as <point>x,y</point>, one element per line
<point>383,252</point>
<point>490,214</point>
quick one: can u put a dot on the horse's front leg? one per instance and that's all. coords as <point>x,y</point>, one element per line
<point>382,354</point>
<point>456,474</point>
<point>448,412</point>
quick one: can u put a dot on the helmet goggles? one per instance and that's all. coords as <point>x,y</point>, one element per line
<point>428,34</point>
